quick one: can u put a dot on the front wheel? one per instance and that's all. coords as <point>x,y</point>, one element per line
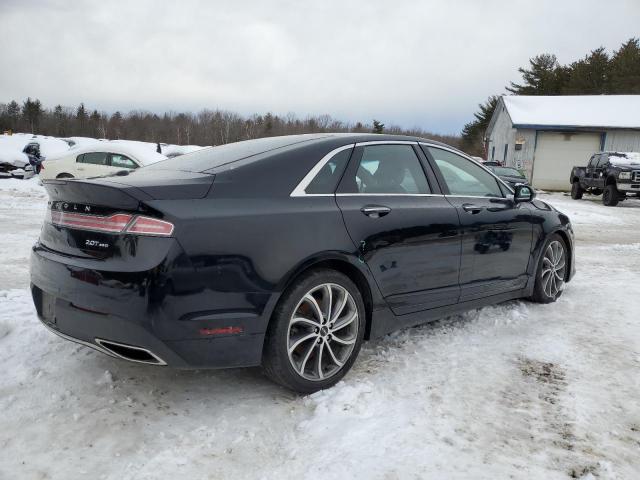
<point>610,196</point>
<point>316,332</point>
<point>576,191</point>
<point>552,271</point>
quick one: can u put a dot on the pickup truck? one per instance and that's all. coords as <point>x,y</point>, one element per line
<point>614,175</point>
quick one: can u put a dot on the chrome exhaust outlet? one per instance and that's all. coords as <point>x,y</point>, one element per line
<point>130,352</point>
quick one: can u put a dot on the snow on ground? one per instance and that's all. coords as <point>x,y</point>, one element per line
<point>512,391</point>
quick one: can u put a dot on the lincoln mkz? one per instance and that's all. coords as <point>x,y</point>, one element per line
<point>288,252</point>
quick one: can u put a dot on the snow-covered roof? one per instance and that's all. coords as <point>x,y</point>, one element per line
<point>613,111</point>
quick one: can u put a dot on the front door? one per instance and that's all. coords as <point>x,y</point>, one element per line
<point>496,231</point>
<point>404,228</point>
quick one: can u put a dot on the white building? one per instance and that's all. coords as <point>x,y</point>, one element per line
<point>545,136</point>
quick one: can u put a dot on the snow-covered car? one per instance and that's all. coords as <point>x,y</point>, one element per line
<point>99,159</point>
<point>18,164</point>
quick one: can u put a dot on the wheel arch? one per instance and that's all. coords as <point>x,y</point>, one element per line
<point>611,180</point>
<point>346,265</point>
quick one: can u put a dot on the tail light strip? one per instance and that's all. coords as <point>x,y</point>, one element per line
<point>117,223</point>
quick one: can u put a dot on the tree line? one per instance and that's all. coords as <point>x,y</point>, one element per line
<point>207,127</point>
<point>597,73</point>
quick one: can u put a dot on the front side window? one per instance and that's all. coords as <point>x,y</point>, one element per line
<point>122,161</point>
<point>388,169</point>
<point>463,177</point>
<point>94,158</point>
<point>602,161</point>
<point>594,160</point>
<point>327,178</point>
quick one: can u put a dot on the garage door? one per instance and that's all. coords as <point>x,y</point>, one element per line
<point>557,153</point>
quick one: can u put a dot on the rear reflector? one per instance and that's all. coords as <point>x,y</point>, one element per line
<point>117,223</point>
<point>221,331</point>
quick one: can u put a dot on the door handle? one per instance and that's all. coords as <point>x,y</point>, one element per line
<point>375,211</point>
<point>472,209</point>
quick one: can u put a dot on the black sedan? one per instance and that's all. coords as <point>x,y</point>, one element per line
<point>510,176</point>
<point>288,252</point>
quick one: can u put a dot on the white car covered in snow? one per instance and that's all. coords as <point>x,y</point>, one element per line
<point>99,159</point>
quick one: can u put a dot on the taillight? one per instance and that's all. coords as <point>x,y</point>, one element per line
<point>117,223</point>
<point>150,226</point>
<point>111,224</point>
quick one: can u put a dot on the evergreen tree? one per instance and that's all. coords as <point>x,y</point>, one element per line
<point>544,77</point>
<point>58,116</point>
<point>13,112</point>
<point>378,127</point>
<point>625,68</point>
<point>81,118</point>
<point>473,132</point>
<point>589,76</point>
<point>32,112</point>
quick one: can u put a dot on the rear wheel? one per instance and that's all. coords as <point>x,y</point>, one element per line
<point>316,332</point>
<point>610,196</point>
<point>576,191</point>
<point>552,271</point>
<point>64,175</point>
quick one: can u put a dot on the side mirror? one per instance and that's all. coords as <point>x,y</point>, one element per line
<point>524,193</point>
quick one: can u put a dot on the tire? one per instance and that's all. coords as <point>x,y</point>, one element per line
<point>64,175</point>
<point>550,278</point>
<point>335,348</point>
<point>610,196</point>
<point>576,190</point>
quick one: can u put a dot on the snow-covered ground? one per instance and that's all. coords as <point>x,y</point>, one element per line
<point>512,391</point>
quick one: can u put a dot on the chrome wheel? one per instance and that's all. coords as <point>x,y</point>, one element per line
<point>322,333</point>
<point>553,269</point>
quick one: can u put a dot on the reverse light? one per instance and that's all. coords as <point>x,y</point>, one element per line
<point>117,223</point>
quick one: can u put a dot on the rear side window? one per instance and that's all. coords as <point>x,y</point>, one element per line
<point>94,158</point>
<point>122,161</point>
<point>328,177</point>
<point>390,169</point>
<point>464,177</point>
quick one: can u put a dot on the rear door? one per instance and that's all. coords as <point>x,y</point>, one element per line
<point>92,164</point>
<point>496,232</point>
<point>402,226</point>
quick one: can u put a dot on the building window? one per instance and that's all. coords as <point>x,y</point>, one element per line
<point>506,149</point>
<point>493,153</point>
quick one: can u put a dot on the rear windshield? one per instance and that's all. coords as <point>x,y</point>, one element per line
<point>213,157</point>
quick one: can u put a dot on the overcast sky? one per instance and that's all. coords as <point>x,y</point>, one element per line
<point>420,63</point>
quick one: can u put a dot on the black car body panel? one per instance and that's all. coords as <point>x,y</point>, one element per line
<point>241,238</point>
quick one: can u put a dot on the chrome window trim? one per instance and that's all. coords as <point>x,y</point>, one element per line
<point>386,142</point>
<point>389,195</point>
<point>464,155</point>
<point>299,191</point>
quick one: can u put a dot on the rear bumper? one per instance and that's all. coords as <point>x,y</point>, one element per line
<point>145,316</point>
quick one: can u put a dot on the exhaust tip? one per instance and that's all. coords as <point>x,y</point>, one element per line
<point>130,352</point>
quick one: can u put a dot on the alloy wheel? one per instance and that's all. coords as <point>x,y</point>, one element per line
<point>553,269</point>
<point>322,333</point>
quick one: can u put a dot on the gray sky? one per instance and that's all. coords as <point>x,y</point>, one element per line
<point>420,63</point>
